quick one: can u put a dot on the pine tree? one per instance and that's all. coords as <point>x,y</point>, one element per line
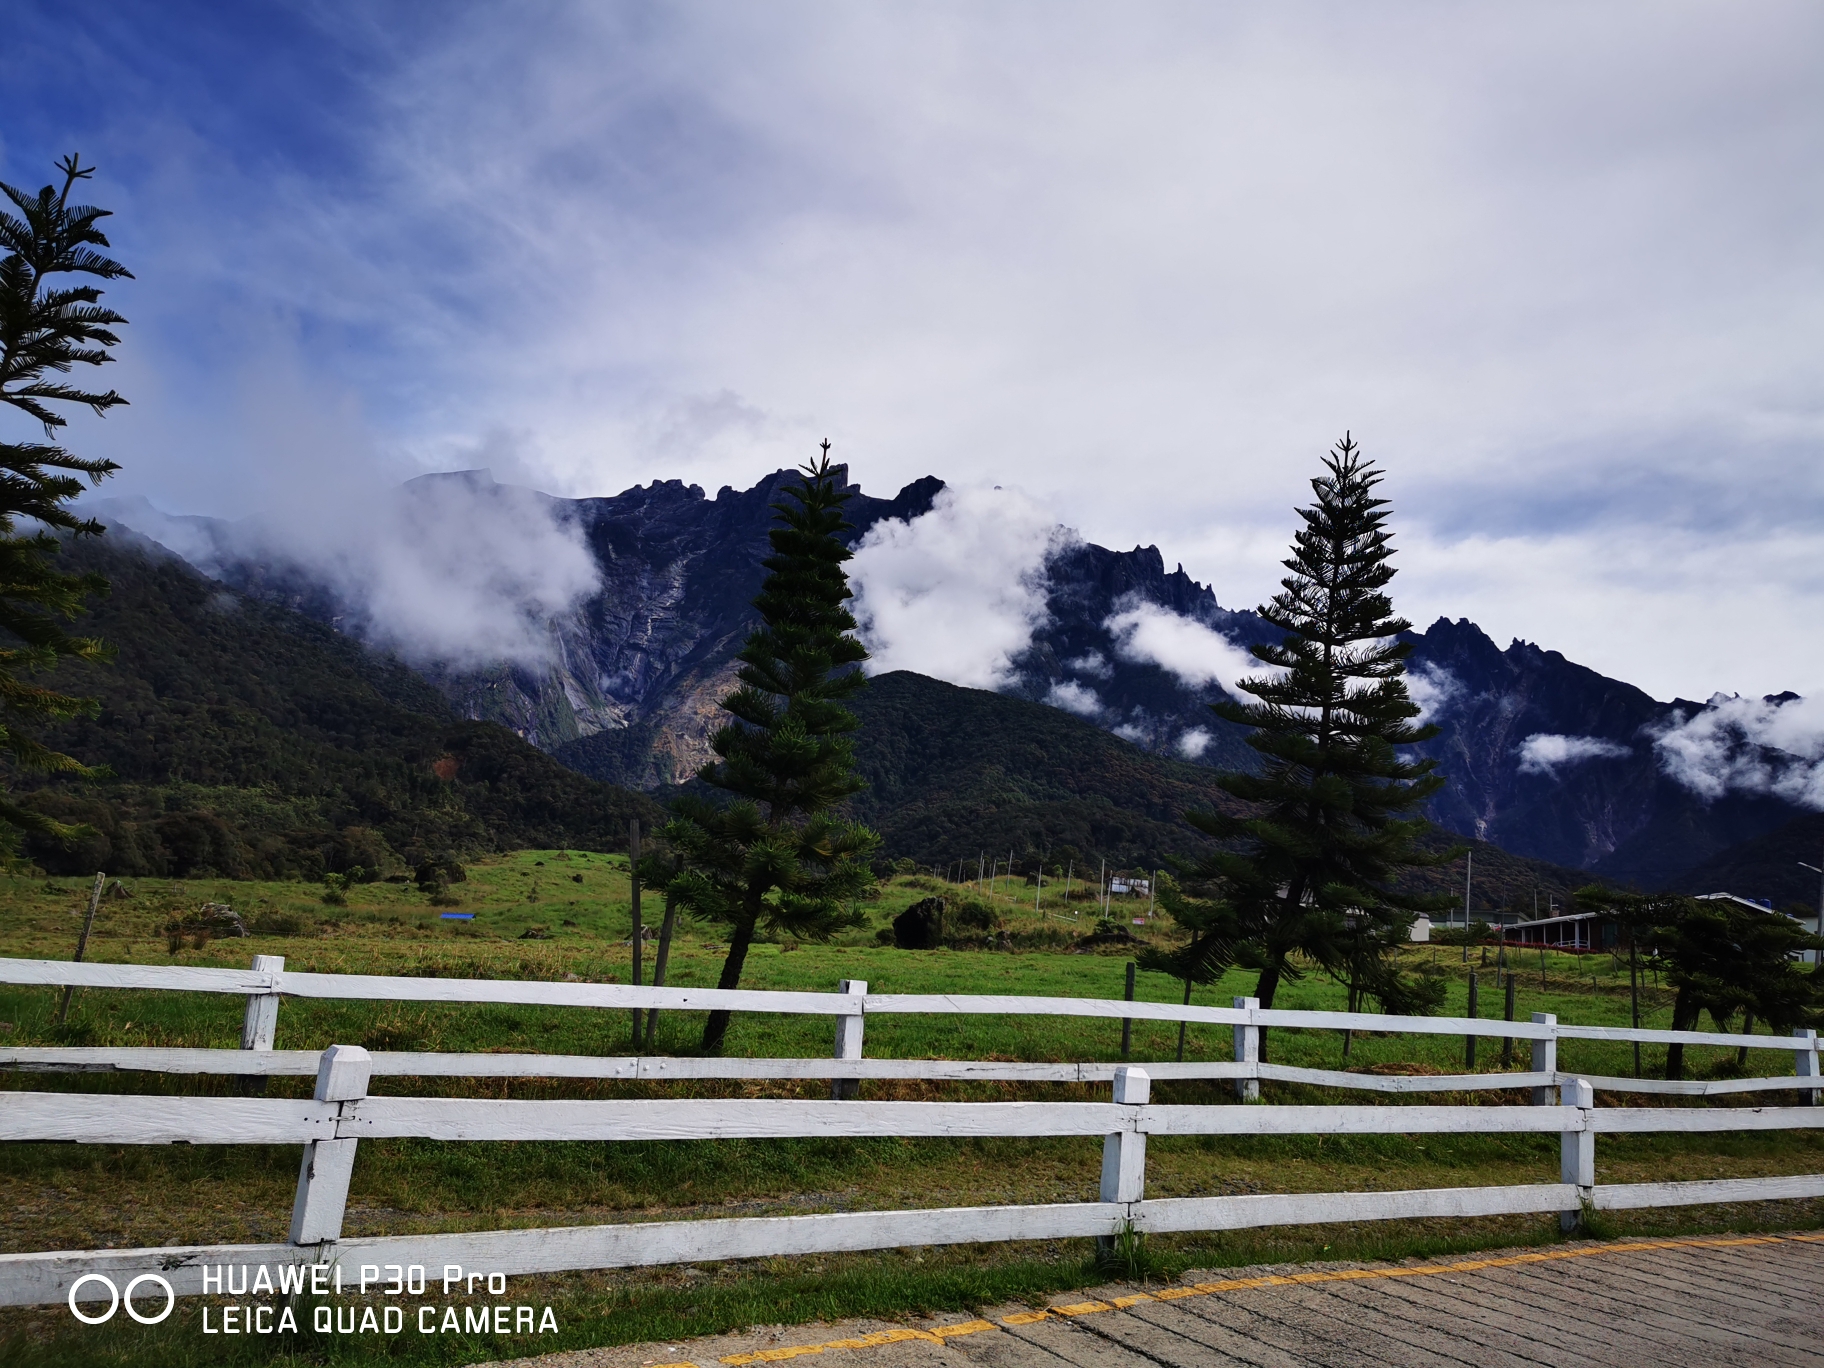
<point>1310,869</point>
<point>44,331</point>
<point>773,855</point>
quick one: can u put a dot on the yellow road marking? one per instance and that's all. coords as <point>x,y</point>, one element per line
<point>1170,1294</point>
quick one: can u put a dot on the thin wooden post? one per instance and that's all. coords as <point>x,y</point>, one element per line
<point>848,1039</point>
<point>260,1025</point>
<point>1507,1042</point>
<point>1127,1023</point>
<point>1807,1061</point>
<point>1634,994</point>
<point>316,1213</point>
<point>1247,1049</point>
<point>82,944</point>
<point>1469,1041</point>
<point>660,961</point>
<point>1545,1057</point>
<point>639,931</point>
<point>1577,1152</point>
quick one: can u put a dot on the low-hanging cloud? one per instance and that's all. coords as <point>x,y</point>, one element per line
<point>1548,752</point>
<point>449,570</point>
<point>1196,654</point>
<point>1194,743</point>
<point>1434,689</point>
<point>956,592</point>
<point>1075,698</point>
<point>1772,746</point>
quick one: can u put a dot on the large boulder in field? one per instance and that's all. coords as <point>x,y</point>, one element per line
<point>920,926</point>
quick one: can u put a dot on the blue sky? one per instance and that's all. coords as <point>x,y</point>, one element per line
<point>1558,266</point>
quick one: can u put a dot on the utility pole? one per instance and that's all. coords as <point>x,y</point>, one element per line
<point>1469,875</point>
<point>1820,873</point>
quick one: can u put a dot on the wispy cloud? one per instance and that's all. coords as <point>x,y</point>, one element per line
<point>1547,752</point>
<point>1196,654</point>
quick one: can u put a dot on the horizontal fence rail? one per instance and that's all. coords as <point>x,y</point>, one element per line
<point>341,1113</point>
<point>660,1068</point>
<point>330,1125</point>
<point>278,982</point>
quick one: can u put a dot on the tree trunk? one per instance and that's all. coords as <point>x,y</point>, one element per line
<point>1684,1018</point>
<point>1264,990</point>
<point>1183,1024</point>
<point>715,1030</point>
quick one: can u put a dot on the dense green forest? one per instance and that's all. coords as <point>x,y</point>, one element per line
<point>249,741</point>
<point>957,773</point>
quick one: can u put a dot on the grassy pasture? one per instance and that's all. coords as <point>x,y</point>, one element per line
<point>64,1196</point>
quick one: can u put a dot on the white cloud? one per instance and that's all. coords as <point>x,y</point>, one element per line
<point>1547,752</point>
<point>1748,745</point>
<point>1134,732</point>
<point>956,593</point>
<point>1194,743</point>
<point>1074,697</point>
<point>1088,248</point>
<point>1091,663</point>
<point>1196,654</point>
<point>451,569</point>
<point>1433,688</point>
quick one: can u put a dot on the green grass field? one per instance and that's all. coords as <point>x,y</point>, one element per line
<point>65,1196</point>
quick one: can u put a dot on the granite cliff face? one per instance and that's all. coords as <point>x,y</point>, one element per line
<point>1543,757</point>
<point>1550,759</point>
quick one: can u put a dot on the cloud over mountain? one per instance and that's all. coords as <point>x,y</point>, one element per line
<point>957,592</point>
<point>1772,745</point>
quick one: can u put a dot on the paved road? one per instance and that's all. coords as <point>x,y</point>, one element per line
<point>1664,1304</point>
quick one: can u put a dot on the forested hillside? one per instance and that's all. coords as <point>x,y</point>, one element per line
<point>957,773</point>
<point>247,739</point>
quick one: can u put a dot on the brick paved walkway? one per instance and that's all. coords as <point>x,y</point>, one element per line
<point>1634,1304</point>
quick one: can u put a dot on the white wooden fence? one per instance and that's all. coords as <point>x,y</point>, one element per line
<point>341,1113</point>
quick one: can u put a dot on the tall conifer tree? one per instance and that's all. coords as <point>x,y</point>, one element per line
<point>45,330</point>
<point>774,856</point>
<point>1309,871</point>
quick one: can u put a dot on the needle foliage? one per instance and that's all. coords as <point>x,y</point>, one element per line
<point>1308,873</point>
<point>771,854</point>
<point>47,328</point>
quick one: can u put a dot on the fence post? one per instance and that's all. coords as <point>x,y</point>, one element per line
<point>633,903</point>
<point>1469,1041</point>
<point>1247,1050</point>
<point>1807,1061</point>
<point>261,1024</point>
<point>1507,1043</point>
<point>1127,1023</point>
<point>316,1213</point>
<point>848,1039</point>
<point>1124,1151</point>
<point>1577,1158</point>
<point>1545,1057</point>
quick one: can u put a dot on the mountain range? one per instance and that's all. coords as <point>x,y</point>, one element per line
<point>1544,758</point>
